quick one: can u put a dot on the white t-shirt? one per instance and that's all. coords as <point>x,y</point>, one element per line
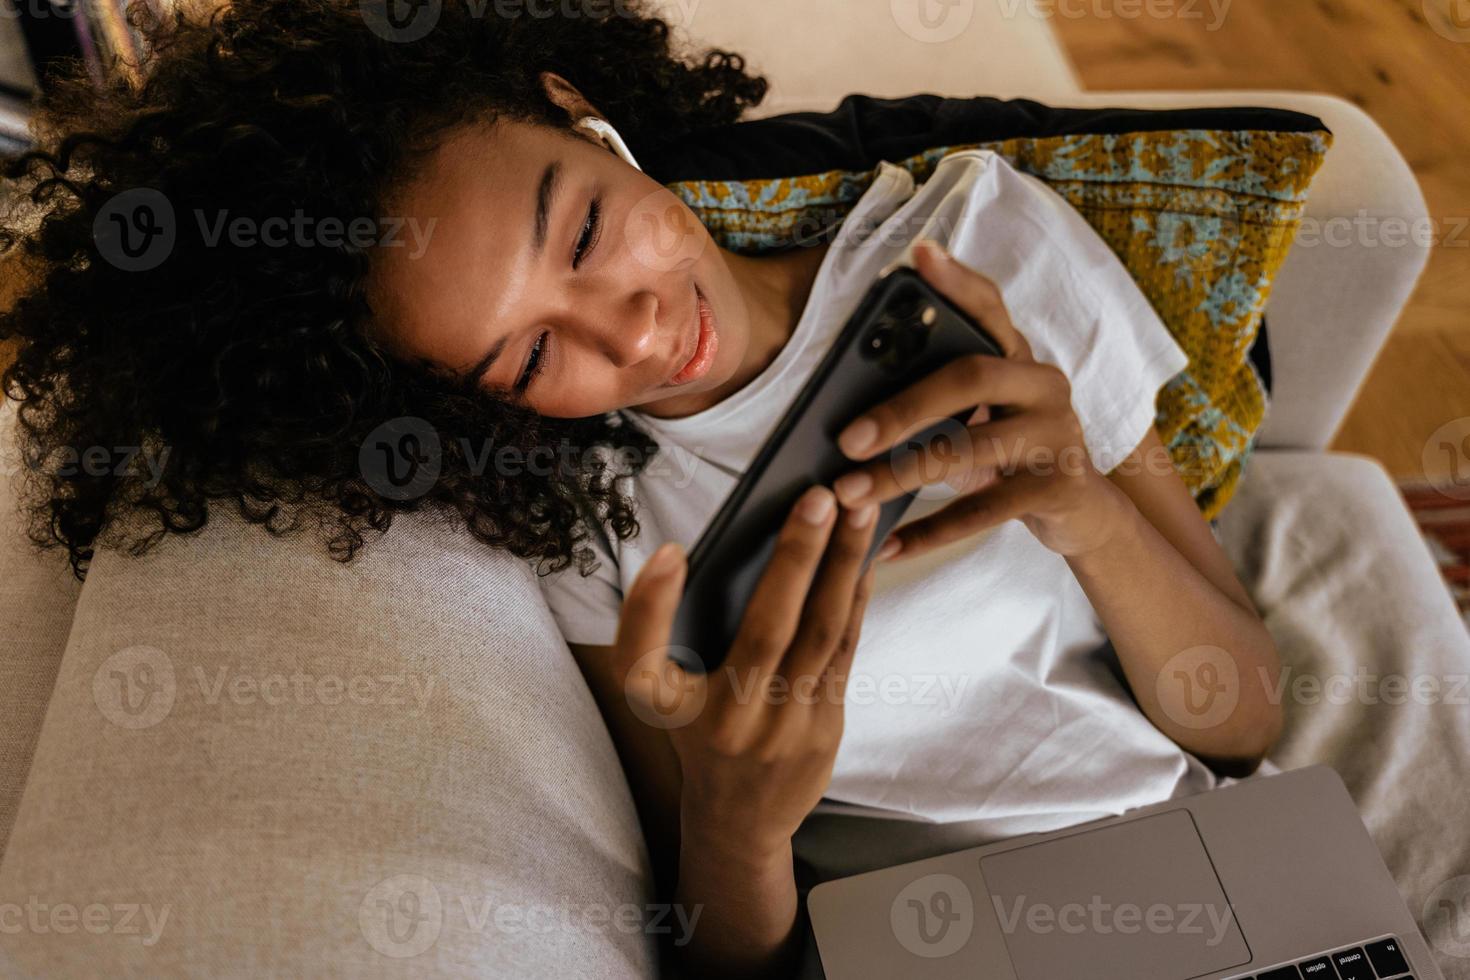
<point>979,689</point>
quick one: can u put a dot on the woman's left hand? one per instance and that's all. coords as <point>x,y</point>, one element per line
<point>1021,457</point>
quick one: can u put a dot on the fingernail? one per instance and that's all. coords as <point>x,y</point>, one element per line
<point>853,486</point>
<point>862,517</point>
<point>816,506</point>
<point>858,436</point>
<point>890,548</point>
<point>665,560</point>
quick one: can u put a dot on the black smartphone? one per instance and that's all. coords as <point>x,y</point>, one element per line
<point>902,331</point>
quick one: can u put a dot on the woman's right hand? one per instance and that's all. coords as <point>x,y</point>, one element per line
<point>756,739</point>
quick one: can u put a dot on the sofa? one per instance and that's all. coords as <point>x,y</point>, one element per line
<point>233,756</point>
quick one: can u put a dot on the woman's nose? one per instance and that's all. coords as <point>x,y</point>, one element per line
<point>627,333</point>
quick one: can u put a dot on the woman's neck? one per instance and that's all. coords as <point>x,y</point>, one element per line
<point>776,289</point>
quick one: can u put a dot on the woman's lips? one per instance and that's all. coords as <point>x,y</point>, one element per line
<point>705,348</point>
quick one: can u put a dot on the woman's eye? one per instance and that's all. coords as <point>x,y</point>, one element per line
<point>534,362</point>
<point>591,229</point>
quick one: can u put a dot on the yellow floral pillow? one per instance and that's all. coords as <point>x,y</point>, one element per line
<point>1203,219</point>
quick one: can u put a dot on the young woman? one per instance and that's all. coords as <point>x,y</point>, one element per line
<point>559,298</point>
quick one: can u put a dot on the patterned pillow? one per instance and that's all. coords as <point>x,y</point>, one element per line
<point>1202,218</point>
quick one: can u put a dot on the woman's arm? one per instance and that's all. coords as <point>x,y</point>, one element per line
<point>726,765</point>
<point>738,894</point>
<point>1197,656</point>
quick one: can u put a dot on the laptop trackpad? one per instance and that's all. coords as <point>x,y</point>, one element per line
<point>1138,899</point>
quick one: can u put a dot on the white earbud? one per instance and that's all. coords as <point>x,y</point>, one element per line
<point>605,130</point>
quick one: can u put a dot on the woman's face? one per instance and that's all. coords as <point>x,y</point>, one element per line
<point>555,269</point>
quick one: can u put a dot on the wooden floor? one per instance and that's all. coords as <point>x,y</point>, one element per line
<point>1384,56</point>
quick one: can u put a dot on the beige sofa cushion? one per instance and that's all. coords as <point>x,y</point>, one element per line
<point>37,596</point>
<point>286,766</point>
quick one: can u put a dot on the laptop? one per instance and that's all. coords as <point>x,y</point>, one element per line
<point>1273,878</point>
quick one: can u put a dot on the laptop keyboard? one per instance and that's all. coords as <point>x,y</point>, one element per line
<point>1380,960</point>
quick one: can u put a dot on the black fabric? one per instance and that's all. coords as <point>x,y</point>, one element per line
<point>1260,355</point>
<point>864,130</point>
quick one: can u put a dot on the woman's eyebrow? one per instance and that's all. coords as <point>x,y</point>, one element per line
<point>545,195</point>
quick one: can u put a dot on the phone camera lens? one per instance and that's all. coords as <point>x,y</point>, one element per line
<point>904,305</point>
<point>881,341</point>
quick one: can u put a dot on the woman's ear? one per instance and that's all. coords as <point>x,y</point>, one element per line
<point>565,95</point>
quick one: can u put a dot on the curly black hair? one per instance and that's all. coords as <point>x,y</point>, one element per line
<point>249,372</point>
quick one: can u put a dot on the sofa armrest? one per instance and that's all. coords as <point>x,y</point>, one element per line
<point>817,51</point>
<point>1344,283</point>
